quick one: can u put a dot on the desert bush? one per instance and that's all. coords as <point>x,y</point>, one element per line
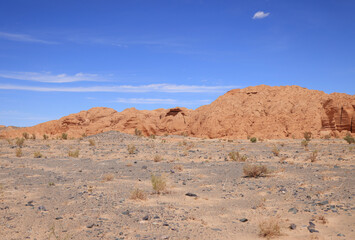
<point>313,156</point>
<point>37,154</point>
<point>20,142</point>
<point>33,136</point>
<point>269,228</point>
<point>9,141</point>
<point>158,183</point>
<point>349,139</point>
<point>131,149</point>
<point>25,135</point>
<point>236,156</point>
<point>108,177</point>
<point>158,158</point>
<point>137,132</point>
<point>138,194</point>
<point>45,136</point>
<point>152,136</point>
<point>307,136</point>
<point>276,151</point>
<point>64,136</point>
<point>253,170</point>
<point>253,139</point>
<point>92,142</point>
<point>74,154</point>
<point>18,152</point>
<point>304,143</point>
<point>83,135</point>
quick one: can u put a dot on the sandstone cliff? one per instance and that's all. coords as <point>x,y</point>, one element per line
<point>261,111</point>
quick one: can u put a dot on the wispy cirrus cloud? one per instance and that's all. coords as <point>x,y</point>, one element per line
<point>260,15</point>
<point>166,88</point>
<point>47,77</point>
<point>23,38</point>
<point>167,101</point>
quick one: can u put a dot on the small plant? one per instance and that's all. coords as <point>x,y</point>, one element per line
<point>83,135</point>
<point>18,152</point>
<point>253,170</point>
<point>304,143</point>
<point>269,228</point>
<point>92,142</point>
<point>307,136</point>
<point>236,156</point>
<point>131,149</point>
<point>37,154</point>
<point>25,135</point>
<point>20,142</point>
<point>253,139</point>
<point>314,156</point>
<point>45,137</point>
<point>33,136</point>
<point>51,184</point>
<point>137,132</point>
<point>158,158</point>
<point>64,136</point>
<point>138,194</point>
<point>152,136</point>
<point>158,183</point>
<point>276,151</point>
<point>74,154</point>
<point>108,177</point>
<point>349,139</point>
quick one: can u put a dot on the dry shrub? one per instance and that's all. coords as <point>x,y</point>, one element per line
<point>307,136</point>
<point>236,156</point>
<point>158,158</point>
<point>304,143</point>
<point>37,154</point>
<point>131,149</point>
<point>138,194</point>
<point>45,137</point>
<point>322,219</point>
<point>64,136</point>
<point>20,142</point>
<point>158,183</point>
<point>254,170</point>
<point>108,177</point>
<point>313,156</point>
<point>18,152</point>
<point>269,228</point>
<point>92,142</point>
<point>74,154</point>
<point>26,135</point>
<point>137,132</point>
<point>349,139</point>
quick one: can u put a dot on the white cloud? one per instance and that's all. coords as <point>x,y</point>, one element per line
<point>47,77</point>
<point>260,14</point>
<point>167,88</point>
<point>159,101</point>
<point>23,38</point>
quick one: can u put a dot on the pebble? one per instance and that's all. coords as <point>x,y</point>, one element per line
<point>293,210</point>
<point>292,226</point>
<point>191,194</point>
<point>243,220</point>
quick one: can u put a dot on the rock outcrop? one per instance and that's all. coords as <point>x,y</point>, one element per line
<point>261,111</point>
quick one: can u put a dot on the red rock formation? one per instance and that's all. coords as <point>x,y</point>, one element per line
<point>261,111</point>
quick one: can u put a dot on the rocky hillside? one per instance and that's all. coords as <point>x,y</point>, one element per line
<point>261,111</point>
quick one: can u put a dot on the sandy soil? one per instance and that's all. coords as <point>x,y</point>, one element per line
<point>89,197</point>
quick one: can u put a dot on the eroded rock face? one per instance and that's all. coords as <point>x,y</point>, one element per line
<point>261,111</point>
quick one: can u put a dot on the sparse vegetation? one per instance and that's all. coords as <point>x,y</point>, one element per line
<point>236,156</point>
<point>313,156</point>
<point>74,154</point>
<point>18,152</point>
<point>269,228</point>
<point>92,142</point>
<point>307,136</point>
<point>158,158</point>
<point>108,177</point>
<point>304,143</point>
<point>152,136</point>
<point>37,154</point>
<point>64,136</point>
<point>33,136</point>
<point>322,219</point>
<point>349,139</point>
<point>25,135</point>
<point>131,149</point>
<point>20,142</point>
<point>158,183</point>
<point>138,194</point>
<point>45,136</point>
<point>254,170</point>
<point>137,132</point>
<point>253,139</point>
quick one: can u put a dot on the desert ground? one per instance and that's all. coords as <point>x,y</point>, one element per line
<point>104,189</point>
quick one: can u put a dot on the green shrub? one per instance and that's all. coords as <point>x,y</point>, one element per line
<point>64,136</point>
<point>253,140</point>
<point>349,139</point>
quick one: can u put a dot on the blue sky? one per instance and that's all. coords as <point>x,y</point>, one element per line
<point>62,56</point>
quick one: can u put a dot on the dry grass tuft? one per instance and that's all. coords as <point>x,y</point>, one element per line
<point>158,158</point>
<point>131,149</point>
<point>64,136</point>
<point>26,135</point>
<point>92,142</point>
<point>253,170</point>
<point>20,142</point>
<point>313,156</point>
<point>74,154</point>
<point>269,228</point>
<point>18,152</point>
<point>108,177</point>
<point>158,183</point>
<point>45,136</point>
<point>138,194</point>
<point>236,156</point>
<point>37,154</point>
